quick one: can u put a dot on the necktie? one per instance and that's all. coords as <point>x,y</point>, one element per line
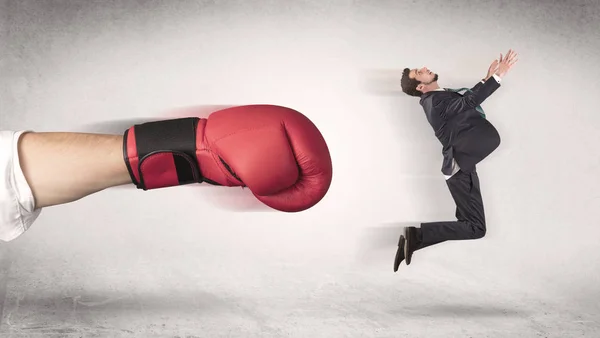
<point>459,90</point>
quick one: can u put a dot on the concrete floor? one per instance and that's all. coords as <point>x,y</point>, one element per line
<point>106,267</point>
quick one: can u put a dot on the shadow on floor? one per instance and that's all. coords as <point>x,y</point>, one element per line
<point>459,310</point>
<point>109,313</point>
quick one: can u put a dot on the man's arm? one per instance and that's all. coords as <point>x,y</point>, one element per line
<point>64,167</point>
<point>480,83</point>
<point>477,86</point>
<point>497,69</point>
<point>470,100</point>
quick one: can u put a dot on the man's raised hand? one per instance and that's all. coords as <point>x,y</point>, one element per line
<point>506,63</point>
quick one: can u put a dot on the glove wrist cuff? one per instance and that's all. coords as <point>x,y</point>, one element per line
<point>162,153</point>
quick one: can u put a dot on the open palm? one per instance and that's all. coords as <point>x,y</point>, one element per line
<point>505,63</point>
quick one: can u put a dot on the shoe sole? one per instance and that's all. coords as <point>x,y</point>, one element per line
<point>399,252</point>
<point>407,257</point>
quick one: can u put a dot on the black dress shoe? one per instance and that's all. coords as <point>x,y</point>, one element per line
<point>399,253</point>
<point>412,243</point>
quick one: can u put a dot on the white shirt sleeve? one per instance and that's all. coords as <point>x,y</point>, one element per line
<point>17,204</point>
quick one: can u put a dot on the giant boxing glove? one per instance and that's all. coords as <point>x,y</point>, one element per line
<point>277,152</point>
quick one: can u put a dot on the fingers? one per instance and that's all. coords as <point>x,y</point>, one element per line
<point>509,58</point>
<point>512,54</point>
<point>513,60</point>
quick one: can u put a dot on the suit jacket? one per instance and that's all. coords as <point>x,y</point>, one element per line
<point>466,136</point>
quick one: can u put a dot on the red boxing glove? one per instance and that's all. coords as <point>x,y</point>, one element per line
<point>277,152</point>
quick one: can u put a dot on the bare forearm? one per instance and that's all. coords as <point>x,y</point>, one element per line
<point>64,167</point>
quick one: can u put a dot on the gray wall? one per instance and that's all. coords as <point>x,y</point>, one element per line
<point>209,262</point>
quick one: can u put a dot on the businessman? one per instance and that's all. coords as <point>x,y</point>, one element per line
<point>467,138</point>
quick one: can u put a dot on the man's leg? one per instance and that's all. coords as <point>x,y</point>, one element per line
<point>470,224</point>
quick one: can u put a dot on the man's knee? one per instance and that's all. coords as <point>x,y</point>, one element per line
<point>479,229</point>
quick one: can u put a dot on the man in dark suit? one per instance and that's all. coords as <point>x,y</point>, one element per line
<point>467,137</point>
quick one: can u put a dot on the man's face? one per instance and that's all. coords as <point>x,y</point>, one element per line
<point>423,75</point>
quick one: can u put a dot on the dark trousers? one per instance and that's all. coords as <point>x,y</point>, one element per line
<point>470,223</point>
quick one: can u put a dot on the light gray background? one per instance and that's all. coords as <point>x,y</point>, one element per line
<point>184,261</point>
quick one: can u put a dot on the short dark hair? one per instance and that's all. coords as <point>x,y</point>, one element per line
<point>409,86</point>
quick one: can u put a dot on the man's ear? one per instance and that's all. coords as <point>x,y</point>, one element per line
<point>420,87</point>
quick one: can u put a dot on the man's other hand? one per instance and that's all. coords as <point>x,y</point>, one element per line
<point>493,68</point>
